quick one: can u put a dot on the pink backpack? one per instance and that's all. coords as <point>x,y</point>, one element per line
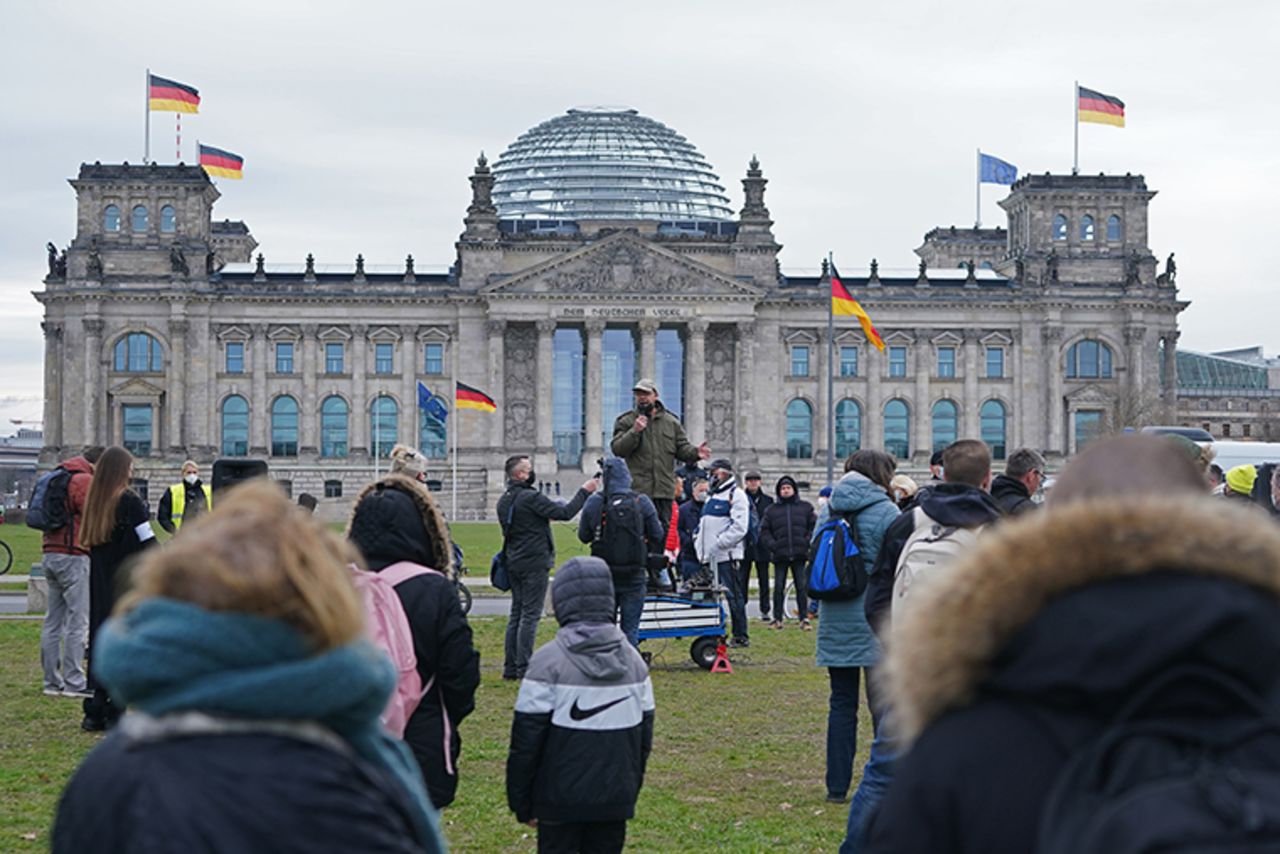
<point>388,627</point>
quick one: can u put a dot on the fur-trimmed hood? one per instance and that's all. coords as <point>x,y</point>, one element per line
<point>958,629</point>
<point>440,546</point>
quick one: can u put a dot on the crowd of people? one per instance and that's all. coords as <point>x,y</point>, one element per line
<point>1000,639</point>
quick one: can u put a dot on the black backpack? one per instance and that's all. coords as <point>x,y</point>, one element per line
<point>50,507</point>
<point>620,539</point>
<point>1162,782</point>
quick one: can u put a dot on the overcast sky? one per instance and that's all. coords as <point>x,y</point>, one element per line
<point>359,122</point>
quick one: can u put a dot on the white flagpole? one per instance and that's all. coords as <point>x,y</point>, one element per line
<point>831,373</point>
<point>1075,157</point>
<point>146,102</point>
<point>977,217</point>
<point>454,431</point>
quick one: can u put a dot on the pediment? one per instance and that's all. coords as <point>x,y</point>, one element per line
<point>234,333</point>
<point>622,264</point>
<point>995,339</point>
<point>384,333</point>
<point>948,339</point>
<point>334,333</point>
<point>1091,395</point>
<point>284,333</point>
<point>800,336</point>
<point>850,337</point>
<point>433,333</point>
<point>136,387</point>
<point>898,336</point>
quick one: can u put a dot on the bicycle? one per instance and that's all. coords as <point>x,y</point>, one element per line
<point>459,570</point>
<point>6,557</point>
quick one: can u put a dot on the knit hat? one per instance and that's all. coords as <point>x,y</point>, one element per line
<point>825,492</point>
<point>408,461</point>
<point>1240,479</point>
<point>753,474</point>
<point>721,463</point>
<point>583,592</point>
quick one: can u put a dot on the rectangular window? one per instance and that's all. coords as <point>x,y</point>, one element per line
<point>433,362</point>
<point>333,489</point>
<point>799,361</point>
<point>284,357</point>
<point>137,429</point>
<point>1226,430</point>
<point>1088,427</point>
<point>897,361</point>
<point>995,363</point>
<point>333,358</point>
<point>383,359</point>
<point>1245,430</point>
<point>235,357</point>
<point>848,361</point>
<point>946,362</point>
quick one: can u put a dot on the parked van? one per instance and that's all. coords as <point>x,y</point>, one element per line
<point>1232,454</point>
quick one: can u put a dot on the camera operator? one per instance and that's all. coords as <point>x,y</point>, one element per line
<point>651,439</point>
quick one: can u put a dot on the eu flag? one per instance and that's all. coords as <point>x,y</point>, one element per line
<point>993,170</point>
<point>431,404</point>
<point>424,395</point>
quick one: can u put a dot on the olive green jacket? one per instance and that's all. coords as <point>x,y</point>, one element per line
<point>651,454</point>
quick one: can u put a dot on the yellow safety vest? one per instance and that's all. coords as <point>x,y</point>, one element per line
<point>178,502</point>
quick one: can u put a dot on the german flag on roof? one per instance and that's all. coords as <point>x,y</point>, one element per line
<point>474,398</point>
<point>170,96</point>
<point>221,164</point>
<point>1100,108</point>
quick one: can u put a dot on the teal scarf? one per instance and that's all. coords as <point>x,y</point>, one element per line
<point>167,656</point>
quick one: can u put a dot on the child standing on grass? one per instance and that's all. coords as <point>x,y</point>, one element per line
<point>583,722</point>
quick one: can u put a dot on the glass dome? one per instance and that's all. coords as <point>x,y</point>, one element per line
<point>601,163</point>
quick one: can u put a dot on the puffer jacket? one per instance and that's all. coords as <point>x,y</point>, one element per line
<point>722,529</point>
<point>845,638</point>
<point>787,525</point>
<point>652,453</point>
<point>583,724</point>
<point>527,541</point>
<point>1018,657</point>
<point>395,519</point>
<point>616,480</point>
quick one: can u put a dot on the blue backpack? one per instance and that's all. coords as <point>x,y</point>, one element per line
<point>836,568</point>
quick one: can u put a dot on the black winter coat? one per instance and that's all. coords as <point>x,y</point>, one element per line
<point>527,541</point>
<point>787,526</point>
<point>761,502</point>
<point>1011,495</point>
<point>1048,630</point>
<point>247,793</point>
<point>690,516</point>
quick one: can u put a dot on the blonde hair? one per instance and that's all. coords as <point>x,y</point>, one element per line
<point>110,480</point>
<point>256,553</point>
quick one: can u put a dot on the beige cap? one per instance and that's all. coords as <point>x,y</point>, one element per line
<point>646,385</point>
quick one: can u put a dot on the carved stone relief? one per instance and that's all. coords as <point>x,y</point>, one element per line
<point>520,384</point>
<point>719,395</point>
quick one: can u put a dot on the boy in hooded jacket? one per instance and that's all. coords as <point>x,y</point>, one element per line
<point>583,725</point>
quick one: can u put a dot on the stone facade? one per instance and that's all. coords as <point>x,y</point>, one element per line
<point>970,337</point>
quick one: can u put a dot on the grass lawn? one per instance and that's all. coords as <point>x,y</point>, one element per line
<point>737,763</point>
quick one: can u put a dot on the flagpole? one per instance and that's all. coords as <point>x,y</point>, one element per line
<point>1075,157</point>
<point>977,217</point>
<point>457,418</point>
<point>177,136</point>
<point>831,380</point>
<point>146,102</point>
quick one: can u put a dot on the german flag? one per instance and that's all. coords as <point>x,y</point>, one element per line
<point>1100,108</point>
<point>474,398</point>
<point>221,164</point>
<point>170,96</point>
<point>844,305</point>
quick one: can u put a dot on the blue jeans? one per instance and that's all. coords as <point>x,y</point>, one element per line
<point>528,590</point>
<point>842,726</point>
<point>628,599</point>
<point>737,596</point>
<point>877,774</point>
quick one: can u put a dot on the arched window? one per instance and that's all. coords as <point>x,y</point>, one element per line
<point>799,430</point>
<point>1113,228</point>
<point>235,426</point>
<point>111,218</point>
<point>433,436</point>
<point>897,429</point>
<point>993,427</point>
<point>168,219</point>
<point>138,353</point>
<point>1059,227</point>
<point>383,415</point>
<point>333,427</point>
<point>848,427</point>
<point>1089,359</point>
<point>284,427</point>
<point>139,218</point>
<point>1086,227</point>
<point>945,424</point>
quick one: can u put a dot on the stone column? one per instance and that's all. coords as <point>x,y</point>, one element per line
<point>497,337</point>
<point>53,401</point>
<point>176,394</point>
<point>309,429</point>
<point>410,413</point>
<point>93,382</point>
<point>1133,337</point>
<point>595,426</point>
<point>873,409</point>
<point>922,423</point>
<point>820,411</point>
<point>970,423</point>
<point>361,440</point>
<point>202,420</point>
<point>1052,338</point>
<point>695,381</point>
<point>649,350</point>
<point>260,418</point>
<point>1170,356</point>
<point>1018,418</point>
<point>545,441</point>
<point>744,400</point>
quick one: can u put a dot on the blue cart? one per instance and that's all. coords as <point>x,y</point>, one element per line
<point>698,614</point>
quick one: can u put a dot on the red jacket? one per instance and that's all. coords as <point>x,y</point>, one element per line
<point>65,540</point>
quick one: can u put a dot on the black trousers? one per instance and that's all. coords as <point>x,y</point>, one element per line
<point>796,566</point>
<point>582,837</point>
<point>762,574</point>
<point>663,506</point>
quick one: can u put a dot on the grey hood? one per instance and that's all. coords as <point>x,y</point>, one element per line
<point>583,592</point>
<point>599,650</point>
<point>616,476</point>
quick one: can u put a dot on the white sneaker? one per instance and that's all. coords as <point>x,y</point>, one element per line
<point>53,692</point>
<point>77,693</point>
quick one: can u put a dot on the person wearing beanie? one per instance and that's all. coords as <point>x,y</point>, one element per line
<point>583,724</point>
<point>396,520</point>
<point>785,531</point>
<point>1240,480</point>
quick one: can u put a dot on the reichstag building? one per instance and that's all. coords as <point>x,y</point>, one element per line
<point>599,248</point>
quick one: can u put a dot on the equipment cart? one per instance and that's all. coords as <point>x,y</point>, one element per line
<point>698,614</point>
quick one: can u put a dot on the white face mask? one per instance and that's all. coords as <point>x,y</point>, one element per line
<point>191,479</point>
<point>700,497</point>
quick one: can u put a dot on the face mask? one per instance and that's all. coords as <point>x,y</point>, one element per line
<point>532,478</point>
<point>700,497</point>
<point>191,479</point>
